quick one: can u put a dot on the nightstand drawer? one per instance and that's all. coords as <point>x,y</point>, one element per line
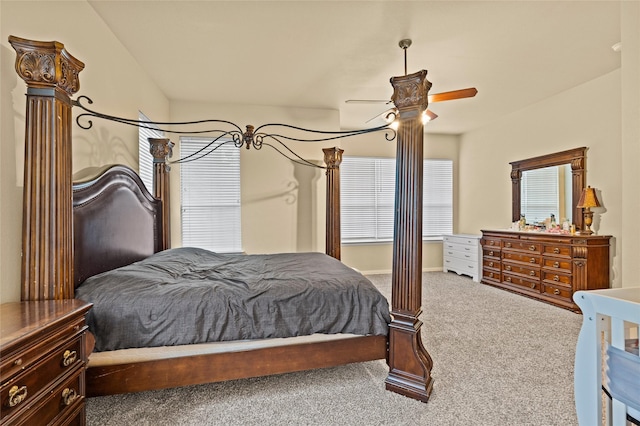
<point>20,390</point>
<point>58,403</point>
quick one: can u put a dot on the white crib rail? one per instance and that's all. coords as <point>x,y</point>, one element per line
<point>605,313</point>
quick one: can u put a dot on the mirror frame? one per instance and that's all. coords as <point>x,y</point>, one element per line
<point>576,157</point>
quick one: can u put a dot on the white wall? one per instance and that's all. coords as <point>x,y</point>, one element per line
<point>112,78</point>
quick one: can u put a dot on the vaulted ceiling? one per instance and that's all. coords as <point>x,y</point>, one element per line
<point>318,54</point>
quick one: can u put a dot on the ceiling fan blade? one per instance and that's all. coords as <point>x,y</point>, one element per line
<point>435,97</point>
<point>454,94</point>
<point>366,101</point>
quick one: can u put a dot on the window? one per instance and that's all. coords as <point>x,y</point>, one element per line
<point>368,196</point>
<point>210,195</point>
<point>145,159</point>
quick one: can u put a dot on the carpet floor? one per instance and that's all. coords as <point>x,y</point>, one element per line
<point>499,359</point>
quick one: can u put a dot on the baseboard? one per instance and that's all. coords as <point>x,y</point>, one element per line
<point>388,271</point>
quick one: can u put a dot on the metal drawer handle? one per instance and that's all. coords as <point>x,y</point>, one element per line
<point>17,361</point>
<point>556,264</point>
<point>507,245</point>
<point>532,273</point>
<point>532,248</point>
<point>17,395</point>
<point>69,357</point>
<point>532,285</point>
<point>556,250</point>
<point>491,264</point>
<point>491,253</point>
<point>556,291</point>
<point>508,279</point>
<point>491,242</point>
<point>69,396</point>
<point>532,260</point>
<point>556,278</point>
<point>490,274</point>
<point>508,267</point>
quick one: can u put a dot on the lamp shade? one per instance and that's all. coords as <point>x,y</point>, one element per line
<point>588,198</point>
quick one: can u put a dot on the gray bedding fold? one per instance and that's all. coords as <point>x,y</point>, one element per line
<point>189,295</point>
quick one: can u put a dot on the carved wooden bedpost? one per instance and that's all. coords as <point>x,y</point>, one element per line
<point>161,149</point>
<point>333,158</point>
<point>409,362</point>
<point>51,74</point>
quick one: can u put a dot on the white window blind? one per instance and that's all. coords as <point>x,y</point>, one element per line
<point>210,196</point>
<point>145,159</point>
<point>539,196</point>
<point>367,186</point>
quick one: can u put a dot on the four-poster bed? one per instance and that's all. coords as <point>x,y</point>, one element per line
<point>52,268</point>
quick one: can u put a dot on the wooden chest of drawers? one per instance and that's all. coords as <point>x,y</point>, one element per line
<point>43,358</point>
<point>461,253</point>
<point>549,267</point>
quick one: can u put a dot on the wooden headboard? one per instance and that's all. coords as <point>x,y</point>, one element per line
<point>116,221</point>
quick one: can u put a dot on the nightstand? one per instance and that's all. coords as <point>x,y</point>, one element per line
<point>43,356</point>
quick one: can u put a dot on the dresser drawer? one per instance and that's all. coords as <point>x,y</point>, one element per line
<point>557,250</point>
<point>521,283</point>
<point>560,265</point>
<point>58,404</point>
<point>554,278</point>
<point>557,291</point>
<point>491,264</point>
<point>522,270</point>
<point>491,275</point>
<point>491,242</point>
<point>20,390</point>
<point>461,240</point>
<point>521,258</point>
<point>469,256</point>
<point>491,252</point>
<point>520,245</point>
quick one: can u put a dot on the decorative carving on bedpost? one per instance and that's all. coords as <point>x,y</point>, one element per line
<point>409,362</point>
<point>333,158</point>
<point>51,74</point>
<point>161,149</point>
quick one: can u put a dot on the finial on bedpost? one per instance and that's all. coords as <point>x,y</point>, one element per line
<point>51,74</point>
<point>333,158</point>
<point>161,149</point>
<point>409,362</point>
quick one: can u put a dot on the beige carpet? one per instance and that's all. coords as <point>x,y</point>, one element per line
<point>499,359</point>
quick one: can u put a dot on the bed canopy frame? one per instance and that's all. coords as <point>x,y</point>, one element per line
<point>52,77</point>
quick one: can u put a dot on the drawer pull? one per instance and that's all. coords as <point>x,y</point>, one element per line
<point>556,278</point>
<point>491,243</point>
<point>491,253</point>
<point>69,357</point>
<point>532,247</point>
<point>507,244</point>
<point>556,250</point>
<point>507,267</point>
<point>490,274</point>
<point>532,260</point>
<point>508,279</point>
<point>532,273</point>
<point>17,395</point>
<point>69,396</point>
<point>556,264</point>
<point>532,285</point>
<point>491,264</point>
<point>556,291</point>
<point>17,361</point>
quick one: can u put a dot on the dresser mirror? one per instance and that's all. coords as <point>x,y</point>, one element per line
<point>568,167</point>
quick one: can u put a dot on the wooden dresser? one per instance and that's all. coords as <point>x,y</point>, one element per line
<point>549,267</point>
<point>461,254</point>
<point>43,357</point>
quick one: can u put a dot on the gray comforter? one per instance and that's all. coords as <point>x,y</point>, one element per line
<point>189,295</point>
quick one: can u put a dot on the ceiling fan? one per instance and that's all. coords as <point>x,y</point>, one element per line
<point>390,114</point>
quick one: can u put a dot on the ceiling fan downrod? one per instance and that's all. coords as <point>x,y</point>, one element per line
<point>404,44</point>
